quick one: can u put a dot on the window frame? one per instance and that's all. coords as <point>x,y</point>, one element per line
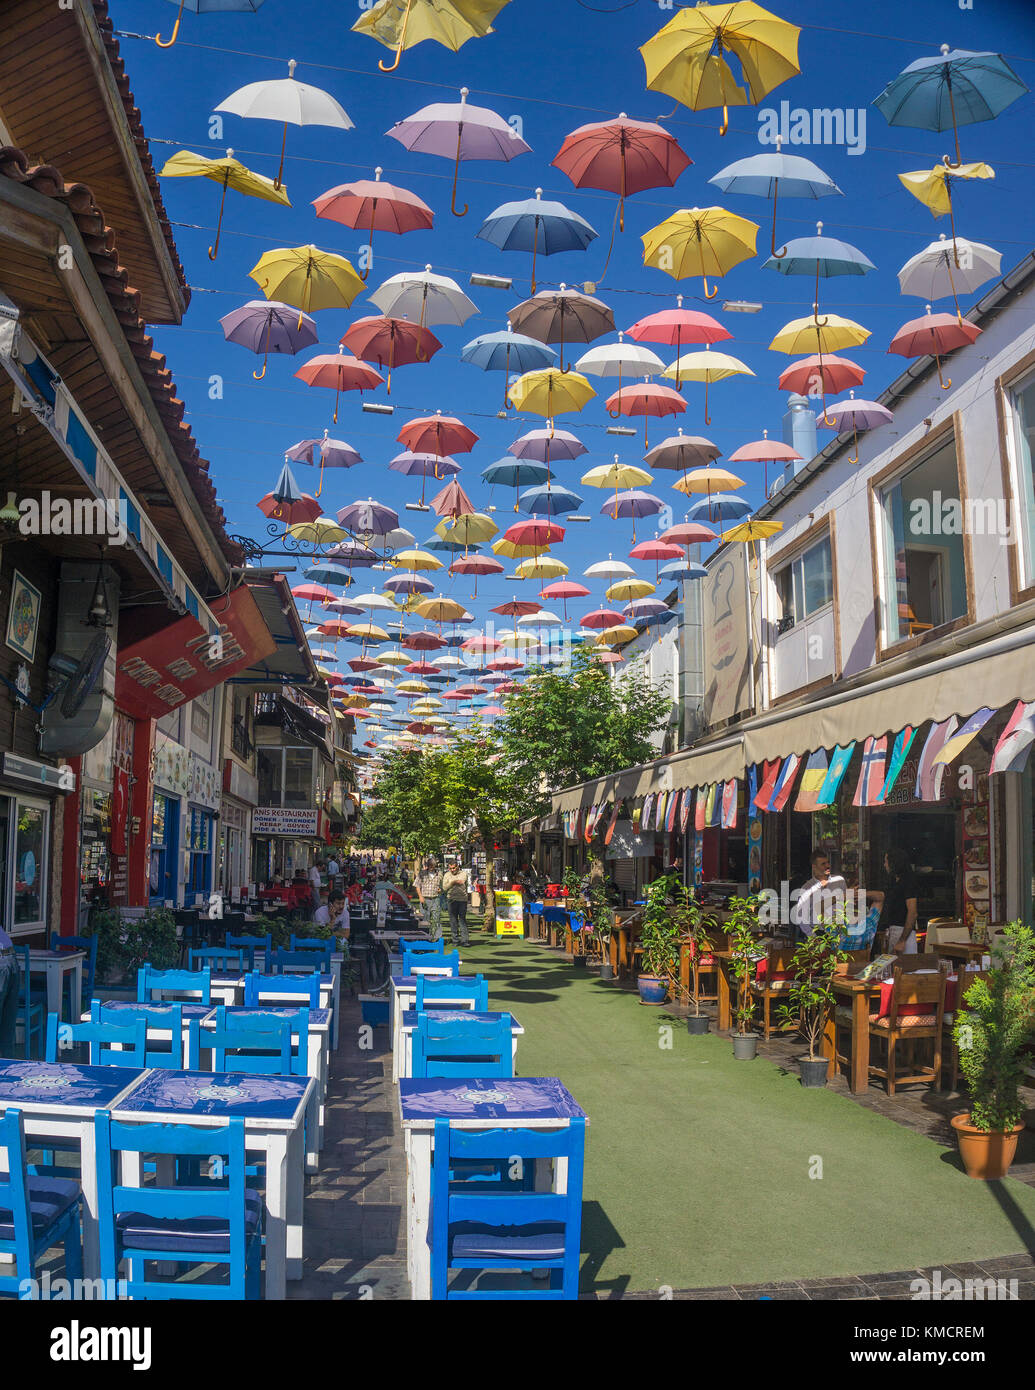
<point>1005,385</point>
<point>37,925</point>
<point>824,528</point>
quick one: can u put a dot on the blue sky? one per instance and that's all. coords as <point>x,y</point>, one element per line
<point>557,64</point>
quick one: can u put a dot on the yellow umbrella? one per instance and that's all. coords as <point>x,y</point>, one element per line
<point>402,24</point>
<point>699,241</point>
<point>708,480</point>
<point>369,632</point>
<point>415,560</point>
<point>630,589</point>
<point>229,172</point>
<point>934,190</point>
<point>413,688</point>
<point>706,366</point>
<point>686,58</point>
<point>320,531</point>
<point>394,659</point>
<point>550,392</point>
<point>541,567</point>
<point>830,333</point>
<point>617,636</point>
<point>306,277</point>
<point>513,551</point>
<point>471,529</point>
<point>407,603</point>
<point>355,700</point>
<point>752,530</point>
<point>616,475</point>
<point>440,610</point>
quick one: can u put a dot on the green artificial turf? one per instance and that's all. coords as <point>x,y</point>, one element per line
<point>702,1171</point>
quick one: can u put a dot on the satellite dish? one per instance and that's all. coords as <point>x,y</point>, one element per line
<point>86,675</point>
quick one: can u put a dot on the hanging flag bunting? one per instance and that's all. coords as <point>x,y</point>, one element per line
<point>928,775</point>
<point>871,774</point>
<point>785,783</point>
<point>661,805</point>
<point>839,760</point>
<point>770,776</point>
<point>716,818</point>
<point>1011,752</point>
<point>700,808</point>
<point>587,829</point>
<point>752,785</point>
<point>954,746</point>
<point>673,807</point>
<point>729,804</point>
<point>899,754</point>
<point>578,824</point>
<point>709,805</point>
<point>648,802</point>
<point>812,780</point>
<point>684,812</point>
<point>613,822</point>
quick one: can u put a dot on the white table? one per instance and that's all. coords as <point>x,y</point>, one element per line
<point>404,997</point>
<point>409,1027</point>
<point>56,965</point>
<point>540,1102</point>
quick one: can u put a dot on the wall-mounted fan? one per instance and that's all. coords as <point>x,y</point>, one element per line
<point>86,675</point>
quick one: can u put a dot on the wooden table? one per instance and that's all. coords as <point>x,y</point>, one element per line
<point>858,995</point>
<point>966,951</point>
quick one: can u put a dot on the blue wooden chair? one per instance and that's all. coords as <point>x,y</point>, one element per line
<point>261,1046</point>
<point>455,992</point>
<point>298,1033</point>
<point>250,945</point>
<point>441,962</point>
<point>323,944</point>
<point>31,1016</point>
<point>269,989</point>
<point>222,959</point>
<point>154,985</point>
<point>36,1213</point>
<point>279,961</point>
<point>183,1050</point>
<point>504,1229</point>
<point>192,1226</point>
<point>104,1039</point>
<point>431,948</point>
<point>78,943</point>
<point>462,1047</point>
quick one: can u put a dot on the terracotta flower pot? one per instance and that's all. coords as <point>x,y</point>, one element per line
<point>986,1153</point>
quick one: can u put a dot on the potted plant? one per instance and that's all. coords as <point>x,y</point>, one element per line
<point>659,939</point>
<point>741,928</point>
<point>810,997</point>
<point>573,904</point>
<point>125,944</point>
<point>990,1030</point>
<point>599,913</point>
<point>693,925</point>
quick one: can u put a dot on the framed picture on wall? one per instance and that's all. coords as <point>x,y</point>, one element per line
<point>23,617</point>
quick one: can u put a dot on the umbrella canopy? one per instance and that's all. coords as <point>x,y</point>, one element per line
<point>618,636</point>
<point>267,326</point>
<point>415,559</point>
<point>549,501</point>
<point>616,475</point>
<point>409,583</point>
<point>206,7</point>
<point>769,175</point>
<point>321,530</point>
<point>564,589</point>
<point>707,480</point>
<point>829,334</point>
<point>530,224</point>
<point>656,550</point>
<point>516,473</point>
<point>688,533</point>
<point>601,618</point>
<point>646,400</point>
<point>341,371</point>
<point>327,452</point>
<point>753,530</point>
<point>562,316</point>
<point>513,551</point>
<point>618,359</point>
<point>934,335</point>
<point>674,327</point>
<point>540,619</point>
<point>390,342</point>
<point>721,507</point>
<point>537,533</point>
<point>476,565</point>
<point>621,156</point>
<point>644,608</point>
<point>453,501</point>
<point>423,466</point>
<point>369,632</point>
<point>374,206</point>
<point>354,554</point>
<point>314,593</point>
<point>367,517</point>
<point>472,528</point>
<point>818,256</point>
<point>550,392</point>
<point>307,277</point>
<point>437,434</point>
<point>229,173</point>
<point>517,608</point>
<point>288,102</point>
<point>401,24</point>
<point>629,589</point>
<point>478,643</point>
<point>764,450</point>
<point>855,415</point>
<point>933,187</point>
<point>506,350</point>
<point>706,366</point>
<point>700,241</point>
<point>440,610</point>
<point>632,504</point>
<point>287,502</point>
<point>547,445</point>
<point>372,602</point>
<point>541,567</point>
<point>680,452</point>
<point>688,57</point>
<point>683,569</point>
<point>421,642</point>
<point>609,569</point>
<point>816,375</point>
<point>949,267</point>
<point>427,298</point>
<point>458,131</point>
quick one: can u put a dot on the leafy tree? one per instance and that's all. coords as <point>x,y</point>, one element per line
<point>407,804</point>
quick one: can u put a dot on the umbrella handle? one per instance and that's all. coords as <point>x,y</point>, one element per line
<point>707,417</point>
<point>168,43</point>
<point>855,437</point>
<point>213,251</point>
<point>714,292</point>
<point>948,380</point>
<point>772,239</point>
<point>535,248</point>
<point>259,375</point>
<point>365,274</point>
<point>391,67</point>
<point>277,183</point>
<point>456,175</point>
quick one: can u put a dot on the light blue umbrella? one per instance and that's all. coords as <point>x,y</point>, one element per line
<point>547,501</point>
<point>502,351</point>
<point>661,619</point>
<point>682,569</point>
<point>516,473</point>
<point>537,226</point>
<point>768,175</point>
<point>819,256</point>
<point>329,574</point>
<point>435,542</point>
<point>956,88</point>
<point>206,7</point>
<point>719,506</point>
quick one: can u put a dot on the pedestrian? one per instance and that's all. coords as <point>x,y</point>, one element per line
<point>429,891</point>
<point>316,879</point>
<point>898,903</point>
<point>9,986</point>
<point>333,867</point>
<point>455,887</point>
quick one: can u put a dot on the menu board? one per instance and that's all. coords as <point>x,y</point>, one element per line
<point>510,913</point>
<point>977,862</point>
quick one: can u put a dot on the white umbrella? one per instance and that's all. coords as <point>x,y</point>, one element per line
<point>372,601</point>
<point>427,298</point>
<point>541,619</point>
<point>449,662</point>
<point>618,359</point>
<point>603,569</point>
<point>946,267</point>
<point>288,101</point>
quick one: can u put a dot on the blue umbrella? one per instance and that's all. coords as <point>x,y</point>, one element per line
<point>206,7</point>
<point>767,175</point>
<point>661,619</point>
<point>536,226</point>
<point>437,543</point>
<point>819,255</point>
<point>516,473</point>
<point>682,569</point>
<point>329,574</point>
<point>496,352</point>
<point>956,88</point>
<point>547,501</point>
<point>720,506</point>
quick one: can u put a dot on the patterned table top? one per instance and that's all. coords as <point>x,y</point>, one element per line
<point>410,1016</point>
<point>62,1084</point>
<point>524,1098</point>
<point>228,1095</point>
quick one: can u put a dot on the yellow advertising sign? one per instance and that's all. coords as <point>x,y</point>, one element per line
<point>510,914</point>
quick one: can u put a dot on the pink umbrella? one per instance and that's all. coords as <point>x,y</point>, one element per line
<point>765,451</point>
<point>646,400</point>
<point>621,156</point>
<point>476,565</point>
<point>602,618</point>
<point>479,643</point>
<point>504,663</point>
<point>608,658</point>
<point>688,533</point>
<point>421,668</point>
<point>934,334</point>
<point>656,551</point>
<point>816,375</point>
<point>376,206</point>
<point>564,589</point>
<point>390,342</point>
<point>673,327</point>
<point>340,370</point>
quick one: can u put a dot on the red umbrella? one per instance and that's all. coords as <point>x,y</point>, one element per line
<point>363,663</point>
<point>480,643</point>
<point>390,342</point>
<point>564,589</point>
<point>302,508</point>
<point>421,668</point>
<point>674,327</point>
<point>504,663</point>
<point>418,728</point>
<point>656,551</point>
<point>422,641</point>
<point>602,618</point>
<point>621,156</point>
<point>646,400</point>
<point>334,628</point>
<point>815,375</point>
<point>376,206</point>
<point>340,370</point>
<point>765,451</point>
<point>518,608</point>
<point>476,565</point>
<point>469,691</point>
<point>453,501</point>
<point>934,334</point>
<point>537,533</point>
<point>688,533</point>
<point>437,434</point>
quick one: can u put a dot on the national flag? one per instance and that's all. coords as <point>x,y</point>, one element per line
<point>1011,752</point>
<point>729,804</point>
<point>954,746</point>
<point>812,780</point>
<point>709,805</point>
<point>928,775</point>
<point>661,806</point>
<point>700,808</point>
<point>839,760</point>
<point>785,782</point>
<point>771,774</point>
<point>684,814</point>
<point>716,805</point>
<point>648,802</point>
<point>752,791</point>
<point>899,753</point>
<point>673,807</point>
<point>871,774</point>
<point>612,822</point>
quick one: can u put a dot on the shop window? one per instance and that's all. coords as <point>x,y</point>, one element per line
<point>270,767</point>
<point>199,846</point>
<point>1021,435</point>
<point>924,582</point>
<point>298,777</point>
<point>804,585</point>
<point>29,826</point>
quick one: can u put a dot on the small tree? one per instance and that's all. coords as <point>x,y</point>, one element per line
<point>991,1029</point>
<point>659,936</point>
<point>741,928</point>
<point>693,925</point>
<point>811,996</point>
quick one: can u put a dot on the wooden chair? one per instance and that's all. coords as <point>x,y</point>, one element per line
<point>968,974</point>
<point>706,964</point>
<point>776,982</point>
<point>904,1024</point>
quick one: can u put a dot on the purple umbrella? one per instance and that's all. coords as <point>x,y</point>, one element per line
<point>547,446</point>
<point>859,415</point>
<point>343,606</point>
<point>409,584</point>
<point>423,466</point>
<point>329,453</point>
<point>368,518</point>
<point>354,554</point>
<point>458,131</point>
<point>266,325</point>
<point>644,608</point>
<point>630,503</point>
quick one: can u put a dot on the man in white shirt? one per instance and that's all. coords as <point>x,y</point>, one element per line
<point>819,898</point>
<point>316,879</point>
<point>333,867</point>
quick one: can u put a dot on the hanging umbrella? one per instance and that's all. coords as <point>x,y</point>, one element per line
<point>857,415</point>
<point>764,451</point>
<point>390,342</point>
<point>423,466</point>
<point>564,589</point>
<point>314,593</point>
<point>437,434</point>
<point>427,298</point>
<point>632,504</point>
<point>616,475</point>
<point>683,569</point>
<point>644,608</point>
<point>707,480</point>
<point>608,658</point>
<point>416,559</point>
<point>826,335</point>
<point>452,501</point>
<point>614,359</point>
<point>618,636</point>
<point>340,370</point>
<point>479,644</point>
<point>522,473</point>
<point>530,224</point>
<point>621,156</point>
<point>228,172</point>
<point>541,567</point>
<point>609,569</point>
<point>817,256</point>
<point>288,102</point>
<point>549,501</point>
<point>517,608</point>
<point>373,602</point>
<point>307,277</point>
<point>376,206</point>
<point>700,241</point>
<point>266,326</point>
<point>476,565</point>
<point>769,175</point>
<point>688,57</point>
<point>818,376</point>
<point>421,642</point>
<point>408,583</point>
<point>321,530</point>
<point>354,554</point>
<point>562,316</point>
<point>287,502</point>
<point>547,445</point>
<point>930,274</point>
<point>629,589</point>
<point>933,335</point>
<point>330,453</point>
<point>686,533</point>
<point>752,531</point>
<point>338,606</point>
<point>646,400</point>
<point>673,327</point>
<point>457,131</point>
<point>440,610</point>
<point>657,551</point>
<point>721,507</point>
<point>400,24</point>
<point>368,518</point>
<point>933,187</point>
<point>680,452</point>
<point>470,529</point>
<point>493,353</point>
<point>956,88</point>
<point>513,551</point>
<point>550,392</point>
<point>541,619</point>
<point>206,7</point>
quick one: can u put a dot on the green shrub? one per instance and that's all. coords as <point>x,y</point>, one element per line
<point>992,1028</point>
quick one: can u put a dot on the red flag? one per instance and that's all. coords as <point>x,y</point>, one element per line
<point>612,823</point>
<point>765,791</point>
<point>119,804</point>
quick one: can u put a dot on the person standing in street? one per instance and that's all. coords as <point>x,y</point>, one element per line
<point>316,879</point>
<point>429,891</point>
<point>454,885</point>
<point>9,983</point>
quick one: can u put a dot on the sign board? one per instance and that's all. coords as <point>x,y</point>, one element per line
<point>510,914</point>
<point>626,844</point>
<point>727,656</point>
<point>299,822</point>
